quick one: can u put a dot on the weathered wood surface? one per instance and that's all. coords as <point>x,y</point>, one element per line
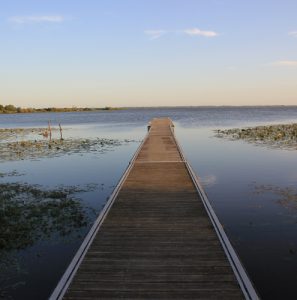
<point>157,241</point>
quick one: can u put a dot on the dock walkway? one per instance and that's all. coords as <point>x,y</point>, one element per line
<point>157,237</point>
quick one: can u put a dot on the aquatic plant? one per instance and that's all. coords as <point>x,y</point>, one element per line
<point>13,173</point>
<point>34,149</point>
<point>29,213</point>
<point>277,136</point>
<point>14,133</point>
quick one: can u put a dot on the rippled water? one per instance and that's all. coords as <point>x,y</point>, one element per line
<point>252,189</point>
<point>187,116</point>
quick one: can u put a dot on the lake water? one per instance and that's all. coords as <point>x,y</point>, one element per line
<point>252,189</point>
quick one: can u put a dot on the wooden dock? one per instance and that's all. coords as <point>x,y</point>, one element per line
<point>157,237</point>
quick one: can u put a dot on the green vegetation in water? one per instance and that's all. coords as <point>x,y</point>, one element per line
<point>7,134</point>
<point>38,149</point>
<point>29,143</point>
<point>11,109</point>
<point>14,173</point>
<point>282,136</point>
<point>29,214</point>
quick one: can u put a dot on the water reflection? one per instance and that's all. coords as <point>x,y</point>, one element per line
<point>208,180</point>
<point>251,194</point>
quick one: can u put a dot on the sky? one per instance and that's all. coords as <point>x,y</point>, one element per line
<point>97,53</point>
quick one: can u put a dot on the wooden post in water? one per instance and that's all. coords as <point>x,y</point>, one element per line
<point>61,136</point>
<point>50,130</point>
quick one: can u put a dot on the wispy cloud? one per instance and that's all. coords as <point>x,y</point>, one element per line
<point>293,33</point>
<point>199,32</point>
<point>37,19</point>
<point>155,34</point>
<point>285,63</point>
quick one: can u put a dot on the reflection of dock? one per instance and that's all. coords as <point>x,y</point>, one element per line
<point>157,237</point>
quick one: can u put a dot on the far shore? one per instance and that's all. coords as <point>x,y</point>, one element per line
<point>11,109</point>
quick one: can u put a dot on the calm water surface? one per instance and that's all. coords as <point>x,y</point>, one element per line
<point>252,189</point>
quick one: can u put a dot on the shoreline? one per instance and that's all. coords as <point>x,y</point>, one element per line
<point>19,110</point>
<point>11,109</point>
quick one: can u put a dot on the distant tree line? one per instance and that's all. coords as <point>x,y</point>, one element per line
<point>11,109</point>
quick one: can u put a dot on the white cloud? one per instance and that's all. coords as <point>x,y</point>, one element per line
<point>37,19</point>
<point>155,34</point>
<point>285,63</point>
<point>199,32</point>
<point>293,33</point>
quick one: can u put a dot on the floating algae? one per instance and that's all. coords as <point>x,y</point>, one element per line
<point>282,136</point>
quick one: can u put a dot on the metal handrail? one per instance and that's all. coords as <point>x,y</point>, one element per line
<point>71,270</point>
<point>242,277</point>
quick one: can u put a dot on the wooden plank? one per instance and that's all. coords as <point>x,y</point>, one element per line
<point>157,240</point>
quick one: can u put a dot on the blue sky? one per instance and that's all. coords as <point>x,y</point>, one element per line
<point>148,52</point>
